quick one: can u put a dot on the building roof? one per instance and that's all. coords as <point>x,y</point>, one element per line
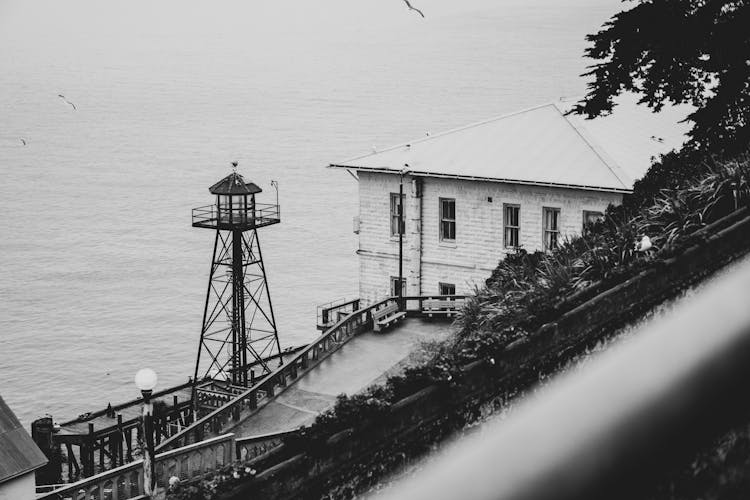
<point>18,452</point>
<point>541,146</point>
<point>234,184</point>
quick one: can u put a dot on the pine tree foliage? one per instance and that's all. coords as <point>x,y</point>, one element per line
<point>678,51</point>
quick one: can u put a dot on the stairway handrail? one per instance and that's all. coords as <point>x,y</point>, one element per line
<point>271,377</point>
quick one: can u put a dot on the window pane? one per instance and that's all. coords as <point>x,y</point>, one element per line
<point>511,216</point>
<point>447,219</point>
<point>511,237</point>
<point>511,221</point>
<point>397,286</point>
<point>550,219</point>
<point>395,207</point>
<point>591,217</point>
<point>551,228</point>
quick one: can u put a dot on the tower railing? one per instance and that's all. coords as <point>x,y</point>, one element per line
<point>257,215</point>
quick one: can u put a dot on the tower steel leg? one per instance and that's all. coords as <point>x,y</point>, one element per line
<point>239,325</point>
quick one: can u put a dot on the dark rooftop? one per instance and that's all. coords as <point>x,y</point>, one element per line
<point>234,184</point>
<point>18,452</point>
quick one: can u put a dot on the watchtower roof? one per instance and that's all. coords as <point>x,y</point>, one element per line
<point>234,184</point>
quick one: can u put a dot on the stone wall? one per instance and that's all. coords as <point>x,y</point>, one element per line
<point>479,241</point>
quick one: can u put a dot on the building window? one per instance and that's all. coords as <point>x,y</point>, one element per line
<point>395,213</point>
<point>447,219</point>
<point>551,228</point>
<point>590,217</point>
<point>396,287</point>
<point>512,225</point>
<point>447,289</point>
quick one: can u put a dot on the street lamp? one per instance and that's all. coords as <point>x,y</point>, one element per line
<point>145,380</point>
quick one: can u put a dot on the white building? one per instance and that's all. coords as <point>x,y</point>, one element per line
<point>473,194</point>
<point>19,458</point>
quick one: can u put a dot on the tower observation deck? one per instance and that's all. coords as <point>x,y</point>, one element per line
<point>235,207</point>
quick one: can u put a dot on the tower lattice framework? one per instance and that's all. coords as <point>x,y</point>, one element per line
<point>238,331</point>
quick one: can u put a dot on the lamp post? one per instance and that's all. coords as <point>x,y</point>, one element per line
<point>145,380</point>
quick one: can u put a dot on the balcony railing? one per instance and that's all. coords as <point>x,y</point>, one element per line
<point>259,215</point>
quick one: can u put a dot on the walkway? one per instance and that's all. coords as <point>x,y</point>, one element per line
<point>356,365</point>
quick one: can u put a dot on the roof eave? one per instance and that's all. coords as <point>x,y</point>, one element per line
<point>416,173</point>
<point>22,473</point>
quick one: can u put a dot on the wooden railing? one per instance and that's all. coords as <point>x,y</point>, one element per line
<point>126,482</point>
<point>331,312</point>
<point>247,403</point>
<point>414,304</point>
<point>192,453</point>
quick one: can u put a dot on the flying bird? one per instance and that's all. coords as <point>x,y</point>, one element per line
<point>23,141</point>
<point>67,101</point>
<point>413,8</point>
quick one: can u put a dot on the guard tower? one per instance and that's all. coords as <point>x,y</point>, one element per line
<point>239,328</point>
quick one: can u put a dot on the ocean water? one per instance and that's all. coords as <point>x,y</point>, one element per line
<point>101,273</point>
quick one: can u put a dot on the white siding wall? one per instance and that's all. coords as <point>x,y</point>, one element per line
<point>20,488</point>
<point>479,228</point>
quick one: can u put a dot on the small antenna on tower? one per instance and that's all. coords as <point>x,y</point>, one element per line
<point>275,184</point>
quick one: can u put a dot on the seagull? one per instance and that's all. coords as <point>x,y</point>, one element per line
<point>643,245</point>
<point>66,101</point>
<point>657,139</point>
<point>413,8</point>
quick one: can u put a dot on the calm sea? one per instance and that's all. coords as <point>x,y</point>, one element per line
<point>101,271</point>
